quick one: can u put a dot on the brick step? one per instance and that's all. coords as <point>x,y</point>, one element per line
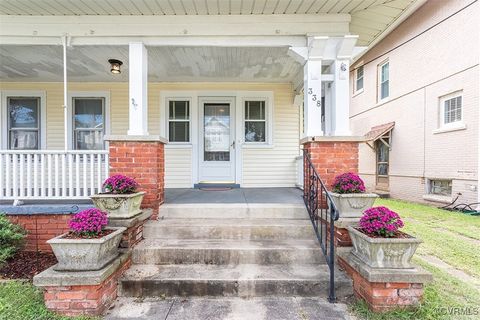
<point>246,229</point>
<point>244,280</point>
<point>222,252</point>
<point>234,211</point>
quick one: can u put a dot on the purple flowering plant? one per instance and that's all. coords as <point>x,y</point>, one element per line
<point>380,221</point>
<point>88,222</point>
<point>348,183</point>
<point>120,184</point>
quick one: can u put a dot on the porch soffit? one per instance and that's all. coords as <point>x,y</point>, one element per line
<point>174,64</point>
<point>367,18</point>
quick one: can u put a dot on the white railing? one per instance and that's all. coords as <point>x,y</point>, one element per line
<point>299,165</point>
<point>51,174</point>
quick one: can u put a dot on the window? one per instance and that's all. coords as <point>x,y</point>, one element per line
<point>88,123</point>
<point>383,81</point>
<point>359,79</point>
<point>23,123</point>
<point>179,121</point>
<point>451,109</point>
<point>440,187</point>
<point>255,121</point>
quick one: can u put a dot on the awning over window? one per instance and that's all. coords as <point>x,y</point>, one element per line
<point>381,132</point>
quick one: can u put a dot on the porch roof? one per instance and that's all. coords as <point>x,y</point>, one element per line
<point>369,18</point>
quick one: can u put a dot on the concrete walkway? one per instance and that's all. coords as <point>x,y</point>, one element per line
<point>239,195</point>
<point>275,308</point>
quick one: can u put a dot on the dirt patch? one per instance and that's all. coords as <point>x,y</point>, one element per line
<point>396,235</point>
<point>73,235</point>
<point>26,264</point>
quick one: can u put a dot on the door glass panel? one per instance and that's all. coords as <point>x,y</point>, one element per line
<point>216,132</point>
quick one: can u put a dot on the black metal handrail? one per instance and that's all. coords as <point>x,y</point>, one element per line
<point>323,214</point>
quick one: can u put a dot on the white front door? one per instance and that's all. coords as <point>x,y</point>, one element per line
<point>217,140</point>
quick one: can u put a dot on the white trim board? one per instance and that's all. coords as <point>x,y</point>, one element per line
<point>3,115</point>
<point>239,97</point>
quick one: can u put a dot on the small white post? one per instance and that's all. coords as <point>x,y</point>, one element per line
<point>312,101</point>
<point>341,98</point>
<point>138,82</point>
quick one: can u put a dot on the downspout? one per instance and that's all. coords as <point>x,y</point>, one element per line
<point>65,97</point>
<point>478,163</point>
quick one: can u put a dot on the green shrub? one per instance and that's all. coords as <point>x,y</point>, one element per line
<point>11,238</point>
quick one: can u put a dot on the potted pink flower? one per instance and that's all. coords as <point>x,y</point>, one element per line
<point>89,245</point>
<point>122,200</point>
<point>379,243</point>
<point>349,195</point>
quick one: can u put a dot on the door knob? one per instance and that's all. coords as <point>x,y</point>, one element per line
<point>233,144</point>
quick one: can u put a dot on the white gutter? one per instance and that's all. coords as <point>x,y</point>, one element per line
<point>65,98</point>
<point>478,162</point>
<point>406,13</point>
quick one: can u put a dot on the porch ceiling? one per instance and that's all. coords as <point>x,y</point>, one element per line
<point>90,64</point>
<point>369,18</point>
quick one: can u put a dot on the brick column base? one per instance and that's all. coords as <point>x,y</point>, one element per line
<point>81,293</point>
<point>134,232</point>
<point>142,158</point>
<point>332,156</point>
<point>384,289</point>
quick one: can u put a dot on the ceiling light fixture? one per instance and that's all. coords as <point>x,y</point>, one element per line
<point>115,66</point>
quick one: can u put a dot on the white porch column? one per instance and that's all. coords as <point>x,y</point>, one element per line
<point>341,98</point>
<point>312,101</point>
<point>138,93</point>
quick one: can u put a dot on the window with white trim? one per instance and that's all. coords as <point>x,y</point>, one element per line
<point>179,121</point>
<point>255,124</point>
<point>88,123</point>
<point>383,80</point>
<point>440,187</point>
<point>359,79</point>
<point>23,123</point>
<point>451,108</point>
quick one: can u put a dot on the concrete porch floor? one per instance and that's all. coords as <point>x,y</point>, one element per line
<point>238,195</point>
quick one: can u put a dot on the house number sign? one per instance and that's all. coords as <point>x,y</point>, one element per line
<point>314,97</point>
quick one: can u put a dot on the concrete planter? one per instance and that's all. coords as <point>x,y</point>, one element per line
<point>85,254</point>
<point>389,253</point>
<point>352,205</point>
<point>119,206</point>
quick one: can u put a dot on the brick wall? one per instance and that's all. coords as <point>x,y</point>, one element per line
<point>40,228</point>
<point>144,161</point>
<point>331,158</point>
<point>85,299</point>
<point>383,296</point>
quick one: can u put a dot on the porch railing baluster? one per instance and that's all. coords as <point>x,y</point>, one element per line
<point>323,214</point>
<point>49,174</point>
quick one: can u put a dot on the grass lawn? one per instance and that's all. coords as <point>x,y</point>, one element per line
<point>454,238</point>
<point>22,301</point>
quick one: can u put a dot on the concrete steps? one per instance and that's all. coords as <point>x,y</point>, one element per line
<point>233,211</point>
<point>230,250</point>
<point>241,229</point>
<point>207,251</point>
<point>244,280</point>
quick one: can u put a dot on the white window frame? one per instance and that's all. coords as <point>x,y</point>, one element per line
<point>428,196</point>
<point>87,94</point>
<point>167,118</point>
<point>265,120</point>
<point>268,121</point>
<point>442,101</point>
<point>355,84</point>
<point>379,81</point>
<point>5,94</point>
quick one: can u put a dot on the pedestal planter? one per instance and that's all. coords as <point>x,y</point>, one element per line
<point>119,206</point>
<point>352,205</point>
<point>392,253</point>
<point>85,254</point>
